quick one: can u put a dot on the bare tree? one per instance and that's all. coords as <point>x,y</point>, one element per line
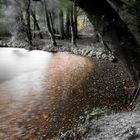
<point>27,7</point>
<point>61,24</point>
<point>50,30</point>
<point>67,23</point>
<point>73,29</point>
<point>36,24</point>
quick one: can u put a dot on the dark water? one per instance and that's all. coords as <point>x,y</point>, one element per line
<point>38,91</point>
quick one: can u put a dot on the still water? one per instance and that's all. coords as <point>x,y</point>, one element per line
<point>38,92</point>
<point>42,93</point>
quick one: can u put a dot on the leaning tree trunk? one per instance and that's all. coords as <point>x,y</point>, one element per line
<point>52,19</point>
<point>115,34</point>
<point>36,24</point>
<point>129,11</point>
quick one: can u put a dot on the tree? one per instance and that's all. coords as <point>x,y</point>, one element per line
<point>19,29</point>
<point>33,14</point>
<point>61,24</point>
<point>48,21</point>
<point>116,35</point>
<point>73,30</point>
<point>75,19</point>
<point>67,23</point>
<point>27,7</point>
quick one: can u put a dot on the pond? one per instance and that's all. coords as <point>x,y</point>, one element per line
<point>37,84</point>
<point>42,93</point>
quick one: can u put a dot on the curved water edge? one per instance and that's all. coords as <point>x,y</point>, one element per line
<point>91,50</point>
<point>43,93</point>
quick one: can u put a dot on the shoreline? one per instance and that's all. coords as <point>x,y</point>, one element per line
<point>91,51</point>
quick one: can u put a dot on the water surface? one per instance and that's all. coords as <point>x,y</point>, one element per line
<point>42,93</point>
<point>37,90</point>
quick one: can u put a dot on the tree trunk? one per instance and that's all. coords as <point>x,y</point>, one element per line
<point>52,19</point>
<point>29,34</point>
<point>68,23</point>
<point>61,23</point>
<point>36,24</point>
<point>115,34</point>
<point>75,19</point>
<point>50,30</point>
<point>73,31</point>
